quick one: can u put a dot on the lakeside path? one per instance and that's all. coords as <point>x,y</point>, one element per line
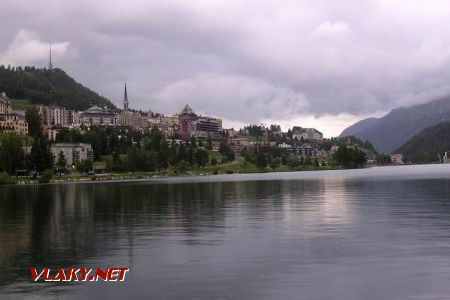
<point>376,173</point>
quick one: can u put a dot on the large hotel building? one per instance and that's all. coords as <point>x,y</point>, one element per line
<point>11,120</point>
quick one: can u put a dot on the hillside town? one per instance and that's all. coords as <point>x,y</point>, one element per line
<point>184,125</point>
<point>181,127</point>
<point>296,147</point>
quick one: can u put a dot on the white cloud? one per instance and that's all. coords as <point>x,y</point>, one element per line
<point>247,60</point>
<point>329,29</point>
<point>233,97</point>
<point>28,48</point>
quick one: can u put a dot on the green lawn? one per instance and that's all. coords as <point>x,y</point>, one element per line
<point>21,104</point>
<point>239,165</point>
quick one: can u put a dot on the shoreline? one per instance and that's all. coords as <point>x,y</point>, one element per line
<point>128,177</point>
<point>143,177</point>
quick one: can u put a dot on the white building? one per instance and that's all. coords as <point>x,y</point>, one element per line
<point>96,116</point>
<point>397,159</point>
<point>73,152</point>
<point>171,120</point>
<point>132,119</point>
<point>284,146</point>
<point>446,158</point>
<point>314,134</point>
<point>74,118</point>
<point>299,136</point>
<point>310,134</point>
<point>54,115</point>
<point>204,127</point>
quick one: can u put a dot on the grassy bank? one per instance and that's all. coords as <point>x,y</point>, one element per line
<point>241,166</point>
<point>238,166</point>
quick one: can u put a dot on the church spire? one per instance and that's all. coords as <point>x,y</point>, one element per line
<point>50,66</point>
<point>125,98</point>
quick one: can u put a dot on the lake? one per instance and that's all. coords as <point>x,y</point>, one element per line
<point>378,233</point>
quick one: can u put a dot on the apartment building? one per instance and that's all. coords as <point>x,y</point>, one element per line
<point>73,152</point>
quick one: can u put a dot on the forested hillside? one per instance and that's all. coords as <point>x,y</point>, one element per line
<point>429,145</point>
<point>397,127</point>
<point>43,86</point>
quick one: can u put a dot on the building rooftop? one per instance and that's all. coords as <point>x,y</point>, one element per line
<point>4,98</point>
<point>187,110</point>
<point>97,110</point>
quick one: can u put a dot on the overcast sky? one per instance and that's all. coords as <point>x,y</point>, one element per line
<point>321,63</point>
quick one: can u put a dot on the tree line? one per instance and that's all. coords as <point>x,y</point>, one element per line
<point>47,87</point>
<point>155,153</point>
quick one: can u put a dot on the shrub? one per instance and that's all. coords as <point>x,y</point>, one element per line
<point>84,166</point>
<point>182,167</point>
<point>6,179</point>
<point>46,176</point>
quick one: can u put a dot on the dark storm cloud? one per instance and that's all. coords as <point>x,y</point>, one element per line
<point>245,60</point>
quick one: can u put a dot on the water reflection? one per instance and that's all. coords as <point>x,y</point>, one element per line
<point>246,239</point>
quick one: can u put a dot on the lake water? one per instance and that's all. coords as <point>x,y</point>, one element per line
<point>379,233</point>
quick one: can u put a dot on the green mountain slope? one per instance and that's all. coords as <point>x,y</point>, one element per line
<point>43,86</point>
<point>428,145</point>
<point>397,127</point>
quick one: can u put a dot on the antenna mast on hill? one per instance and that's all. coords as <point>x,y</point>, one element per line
<point>50,66</point>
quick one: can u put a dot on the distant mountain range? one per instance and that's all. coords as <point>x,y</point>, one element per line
<point>429,145</point>
<point>48,87</point>
<point>390,132</point>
